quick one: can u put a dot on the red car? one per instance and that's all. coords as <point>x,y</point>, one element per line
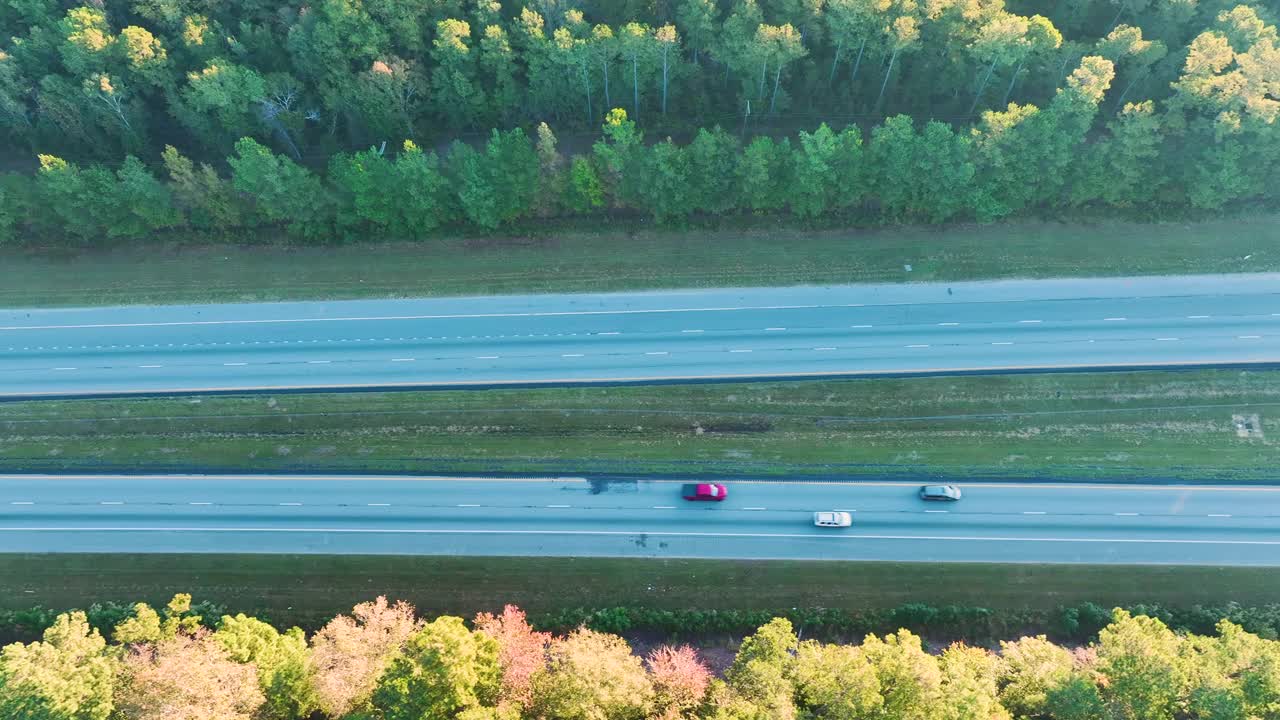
<point>704,491</point>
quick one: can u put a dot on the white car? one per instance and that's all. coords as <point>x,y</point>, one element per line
<point>832,519</point>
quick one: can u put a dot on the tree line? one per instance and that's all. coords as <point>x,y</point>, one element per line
<point>382,662</point>
<point>114,77</point>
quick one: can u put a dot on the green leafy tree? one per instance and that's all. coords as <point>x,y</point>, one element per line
<point>187,677</point>
<point>927,175</point>
<point>220,103</point>
<point>498,74</point>
<point>665,188</point>
<point>699,20</point>
<point>208,200</point>
<point>1142,661</point>
<point>443,672</point>
<point>584,192</point>
<point>713,160</point>
<point>66,676</point>
<point>81,202</point>
<point>813,187</point>
<point>969,685</point>
<point>637,46</point>
<point>1029,669</point>
<point>900,35</point>
<point>591,676</point>
<point>351,652</point>
<point>762,174</point>
<point>760,673</point>
<point>835,682</point>
<point>280,661</point>
<point>1075,699</point>
<point>144,204</point>
<point>455,87</point>
<point>910,679</point>
<point>282,191</point>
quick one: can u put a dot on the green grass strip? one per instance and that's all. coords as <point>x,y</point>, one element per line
<point>308,589</point>
<point>597,259</point>
<point>1096,426</point>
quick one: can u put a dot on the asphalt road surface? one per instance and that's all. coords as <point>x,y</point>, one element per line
<point>1040,523</point>
<point>659,336</point>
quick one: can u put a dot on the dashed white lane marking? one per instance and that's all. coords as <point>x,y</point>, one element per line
<point>754,508</point>
<point>1166,339</point>
<point>234,364</point>
<point>318,362</point>
<point>690,331</point>
<point>199,503</point>
<point>486,357</point>
<point>822,349</point>
<point>291,504</point>
<point>1248,337</point>
<point>948,324</point>
<point>1197,317</point>
<point>1125,514</point>
<point>609,333</point>
<point>378,504</point>
<point>1115,319</point>
<point>936,511</point>
<point>468,505</point>
<point>65,368</point>
<point>861,326</point>
<point>1001,343</point>
<point>150,366</point>
<point>774,329</point>
<point>658,352</point>
<point>664,507</point>
<point>22,502</point>
<point>111,502</point>
<point>403,359</point>
<point>1028,322</point>
<point>917,346</point>
<point>615,533</point>
<point>1033,512</point>
<point>739,351</point>
<point>572,355</point>
<point>1219,515</point>
<point>559,506</point>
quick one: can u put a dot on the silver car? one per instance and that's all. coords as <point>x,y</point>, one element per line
<point>940,492</point>
<point>834,519</point>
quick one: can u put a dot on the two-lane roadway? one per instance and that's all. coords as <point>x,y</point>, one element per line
<point>1033,523</point>
<point>926,328</point>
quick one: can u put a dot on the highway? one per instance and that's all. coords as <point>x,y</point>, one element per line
<point>1026,523</point>
<point>637,337</point>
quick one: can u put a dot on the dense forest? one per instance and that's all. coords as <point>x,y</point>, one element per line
<point>342,118</point>
<point>382,662</point>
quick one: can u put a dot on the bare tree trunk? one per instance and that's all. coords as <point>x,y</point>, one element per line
<point>777,80</point>
<point>635,84</point>
<point>1125,92</point>
<point>605,67</point>
<point>665,66</point>
<point>885,84</point>
<point>982,86</point>
<point>835,61</point>
<point>858,63</point>
<point>586,83</point>
<point>763,66</point>
<point>1009,91</point>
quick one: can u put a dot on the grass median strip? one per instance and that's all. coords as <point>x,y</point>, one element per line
<point>600,260</point>
<point>308,589</point>
<point>1195,425</point>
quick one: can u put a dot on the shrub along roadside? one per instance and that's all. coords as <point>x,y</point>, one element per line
<point>975,625</point>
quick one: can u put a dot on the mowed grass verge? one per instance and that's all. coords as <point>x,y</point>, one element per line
<point>309,589</point>
<point>1095,426</point>
<point>601,257</point>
